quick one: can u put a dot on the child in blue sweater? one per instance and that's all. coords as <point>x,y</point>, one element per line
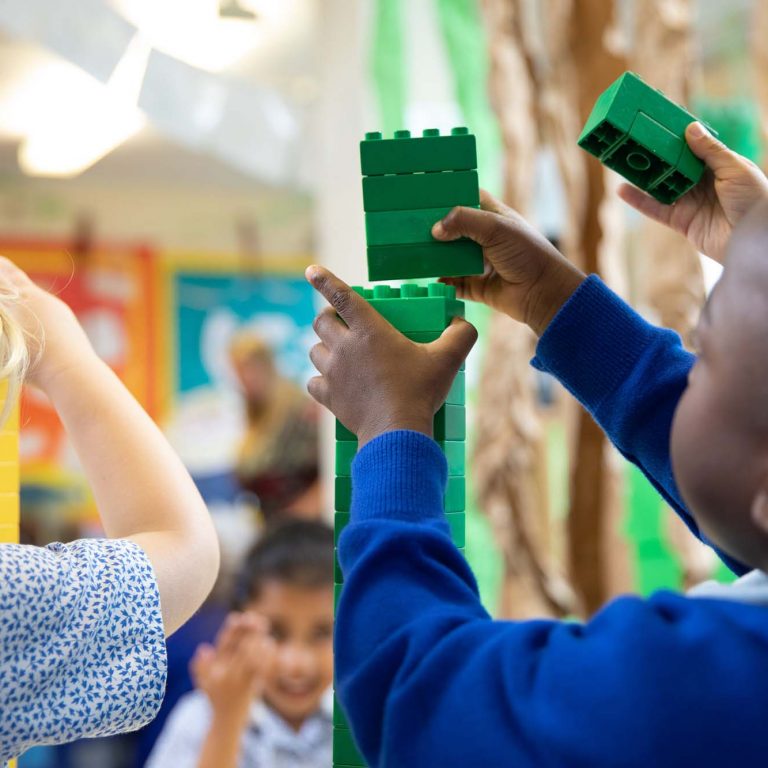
<point>426,676</point>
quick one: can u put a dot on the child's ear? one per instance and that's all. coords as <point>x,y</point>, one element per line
<point>760,509</point>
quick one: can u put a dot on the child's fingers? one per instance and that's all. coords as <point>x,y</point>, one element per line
<point>645,204</point>
<point>467,288</point>
<point>230,633</point>
<point>319,355</point>
<point>328,326</point>
<point>711,150</point>
<point>201,662</point>
<point>455,343</point>
<point>350,307</point>
<point>317,386</point>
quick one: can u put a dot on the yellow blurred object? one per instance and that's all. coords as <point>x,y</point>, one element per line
<point>9,480</point>
<point>9,474</point>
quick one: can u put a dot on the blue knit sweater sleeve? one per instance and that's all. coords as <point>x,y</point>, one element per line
<point>629,375</point>
<point>428,679</point>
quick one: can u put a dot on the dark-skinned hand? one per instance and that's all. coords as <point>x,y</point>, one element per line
<point>525,276</point>
<point>373,378</point>
<point>707,214</point>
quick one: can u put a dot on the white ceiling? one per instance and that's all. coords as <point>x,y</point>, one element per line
<point>282,56</point>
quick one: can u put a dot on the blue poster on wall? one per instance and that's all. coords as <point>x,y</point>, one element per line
<point>209,311</point>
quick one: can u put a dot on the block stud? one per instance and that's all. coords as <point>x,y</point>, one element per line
<point>436,289</point>
<point>459,131</point>
<point>373,135</point>
<point>402,134</point>
<point>382,292</point>
<point>409,290</point>
<point>430,132</point>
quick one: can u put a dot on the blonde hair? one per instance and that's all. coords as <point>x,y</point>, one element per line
<point>14,354</point>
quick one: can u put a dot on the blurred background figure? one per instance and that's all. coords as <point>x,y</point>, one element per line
<point>278,459</point>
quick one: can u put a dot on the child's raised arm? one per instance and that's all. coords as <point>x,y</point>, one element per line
<point>142,490</point>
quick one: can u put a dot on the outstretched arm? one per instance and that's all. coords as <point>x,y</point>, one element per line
<point>142,490</point>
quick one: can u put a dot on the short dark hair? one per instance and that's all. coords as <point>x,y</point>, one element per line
<point>295,552</point>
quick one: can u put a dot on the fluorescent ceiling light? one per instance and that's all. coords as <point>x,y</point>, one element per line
<point>195,31</point>
<point>76,121</point>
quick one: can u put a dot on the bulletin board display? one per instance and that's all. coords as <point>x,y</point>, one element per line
<point>112,290</point>
<point>207,298</point>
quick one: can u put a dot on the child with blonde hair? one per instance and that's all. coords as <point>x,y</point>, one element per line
<point>83,624</point>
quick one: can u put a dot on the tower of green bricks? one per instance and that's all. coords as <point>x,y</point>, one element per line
<point>409,183</point>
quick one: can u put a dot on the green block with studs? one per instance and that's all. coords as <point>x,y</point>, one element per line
<point>638,132</point>
<point>415,308</point>
<point>429,153</point>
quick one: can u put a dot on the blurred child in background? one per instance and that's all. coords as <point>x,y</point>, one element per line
<point>262,697</point>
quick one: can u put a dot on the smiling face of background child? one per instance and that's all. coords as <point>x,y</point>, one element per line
<point>719,441</point>
<point>301,621</point>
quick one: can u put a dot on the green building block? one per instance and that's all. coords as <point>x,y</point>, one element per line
<point>340,522</point>
<point>343,434</point>
<point>457,394</point>
<point>338,576</point>
<point>420,190</point>
<point>345,453</point>
<point>456,456</point>
<point>343,494</point>
<point>336,595</point>
<point>344,750</point>
<point>414,260</point>
<point>414,308</point>
<point>455,494</point>
<point>339,718</point>
<point>639,133</point>
<point>450,423</point>
<point>432,152</point>
<point>401,227</point>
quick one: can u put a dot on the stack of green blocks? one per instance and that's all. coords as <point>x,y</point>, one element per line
<point>410,184</point>
<point>638,132</point>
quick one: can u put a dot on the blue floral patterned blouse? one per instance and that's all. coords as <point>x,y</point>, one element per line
<point>82,648</point>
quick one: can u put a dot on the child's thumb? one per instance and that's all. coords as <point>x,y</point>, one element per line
<point>709,149</point>
<point>455,343</point>
<point>478,225</point>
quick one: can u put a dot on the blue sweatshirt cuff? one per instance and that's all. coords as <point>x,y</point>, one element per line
<point>575,344</point>
<point>399,475</point>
